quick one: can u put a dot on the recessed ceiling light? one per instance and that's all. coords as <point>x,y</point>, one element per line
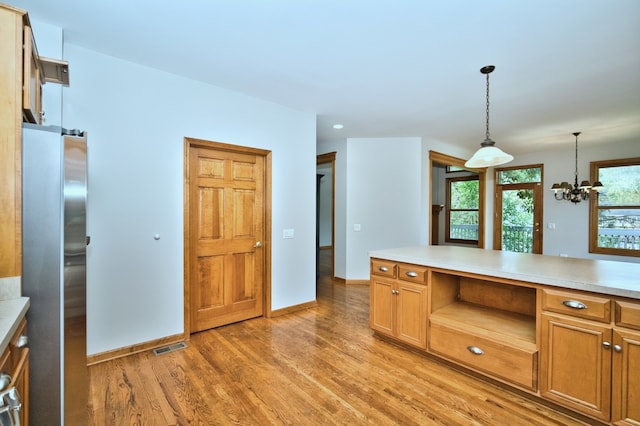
<point>338,126</point>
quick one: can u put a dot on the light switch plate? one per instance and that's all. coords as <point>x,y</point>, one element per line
<point>288,233</point>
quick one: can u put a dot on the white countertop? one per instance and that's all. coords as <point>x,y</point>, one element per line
<point>599,276</point>
<point>11,313</point>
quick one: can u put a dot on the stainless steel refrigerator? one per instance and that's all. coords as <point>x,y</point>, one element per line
<point>54,195</point>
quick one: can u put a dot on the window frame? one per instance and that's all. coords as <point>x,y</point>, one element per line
<point>447,235</point>
<point>594,208</point>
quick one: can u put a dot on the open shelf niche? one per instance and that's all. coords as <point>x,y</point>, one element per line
<point>501,312</point>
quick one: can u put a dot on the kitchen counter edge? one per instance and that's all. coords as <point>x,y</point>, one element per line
<point>12,311</point>
<point>598,276</point>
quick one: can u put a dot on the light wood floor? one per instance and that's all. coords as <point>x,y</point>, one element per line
<point>314,367</point>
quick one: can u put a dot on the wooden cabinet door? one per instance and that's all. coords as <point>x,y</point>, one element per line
<point>575,365</point>
<point>382,305</point>
<point>626,377</point>
<point>411,316</point>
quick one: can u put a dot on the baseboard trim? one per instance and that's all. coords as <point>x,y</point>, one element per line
<point>133,349</point>
<point>357,282</point>
<point>292,309</point>
<point>338,280</point>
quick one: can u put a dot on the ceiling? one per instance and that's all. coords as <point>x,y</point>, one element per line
<point>389,68</point>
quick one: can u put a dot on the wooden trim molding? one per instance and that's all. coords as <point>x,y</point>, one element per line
<point>134,349</point>
<point>292,309</point>
<point>437,157</point>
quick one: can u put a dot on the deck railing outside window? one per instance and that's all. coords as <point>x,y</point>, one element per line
<point>520,238</point>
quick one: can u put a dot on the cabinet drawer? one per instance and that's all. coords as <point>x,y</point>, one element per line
<point>516,365</point>
<point>385,268</point>
<point>577,304</point>
<point>627,314</point>
<point>413,273</point>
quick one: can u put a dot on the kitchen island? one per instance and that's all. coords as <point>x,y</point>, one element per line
<point>563,329</point>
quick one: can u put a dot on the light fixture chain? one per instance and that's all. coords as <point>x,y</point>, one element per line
<point>577,158</point>
<point>487,134</point>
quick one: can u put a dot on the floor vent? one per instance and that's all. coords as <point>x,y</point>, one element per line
<point>170,348</point>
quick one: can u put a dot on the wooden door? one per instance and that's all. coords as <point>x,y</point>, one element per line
<point>226,233</point>
<point>515,203</point>
<point>411,314</point>
<point>382,302</point>
<point>575,365</point>
<point>626,380</point>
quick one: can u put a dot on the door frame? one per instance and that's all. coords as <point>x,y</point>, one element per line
<point>330,158</point>
<point>437,157</point>
<point>190,143</point>
<point>538,200</point>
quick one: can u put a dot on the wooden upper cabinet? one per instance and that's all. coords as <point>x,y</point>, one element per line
<point>32,79</point>
<point>11,55</point>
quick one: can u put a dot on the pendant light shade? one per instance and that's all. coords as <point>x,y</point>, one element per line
<point>488,155</point>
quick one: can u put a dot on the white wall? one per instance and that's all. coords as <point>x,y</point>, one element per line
<point>384,197</point>
<point>572,220</point>
<point>136,119</point>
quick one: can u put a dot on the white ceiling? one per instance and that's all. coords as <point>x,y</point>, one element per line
<point>393,67</point>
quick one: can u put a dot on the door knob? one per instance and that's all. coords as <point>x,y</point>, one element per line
<point>258,244</point>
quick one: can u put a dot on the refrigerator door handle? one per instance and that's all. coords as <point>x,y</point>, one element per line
<point>88,239</point>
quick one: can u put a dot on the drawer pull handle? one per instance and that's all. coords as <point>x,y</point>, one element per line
<point>412,274</point>
<point>574,304</point>
<point>23,342</point>
<point>617,348</point>
<point>383,269</point>
<point>475,350</point>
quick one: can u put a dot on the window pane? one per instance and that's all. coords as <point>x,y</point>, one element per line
<point>619,228</point>
<point>464,194</point>
<point>621,186</point>
<point>533,174</point>
<point>464,225</point>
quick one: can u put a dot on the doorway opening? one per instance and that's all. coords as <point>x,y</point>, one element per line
<point>456,197</point>
<point>518,209</point>
<point>325,212</point>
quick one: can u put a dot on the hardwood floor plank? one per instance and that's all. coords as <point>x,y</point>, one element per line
<point>320,366</point>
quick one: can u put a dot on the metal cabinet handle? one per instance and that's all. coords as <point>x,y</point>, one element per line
<point>383,269</point>
<point>258,244</point>
<point>5,380</point>
<point>606,345</point>
<point>574,304</point>
<point>23,342</point>
<point>475,350</point>
<point>617,348</point>
<point>395,292</point>
<point>412,274</point>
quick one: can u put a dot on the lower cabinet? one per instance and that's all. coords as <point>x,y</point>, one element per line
<point>590,363</point>
<point>580,350</point>
<point>15,363</point>
<point>575,369</point>
<point>626,378</point>
<point>399,307</point>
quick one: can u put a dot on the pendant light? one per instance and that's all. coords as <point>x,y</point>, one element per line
<point>488,155</point>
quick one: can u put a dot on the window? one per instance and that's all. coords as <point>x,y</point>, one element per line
<point>462,210</point>
<point>614,222</point>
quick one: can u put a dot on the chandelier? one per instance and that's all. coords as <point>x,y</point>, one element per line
<point>577,193</point>
<point>488,155</point>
